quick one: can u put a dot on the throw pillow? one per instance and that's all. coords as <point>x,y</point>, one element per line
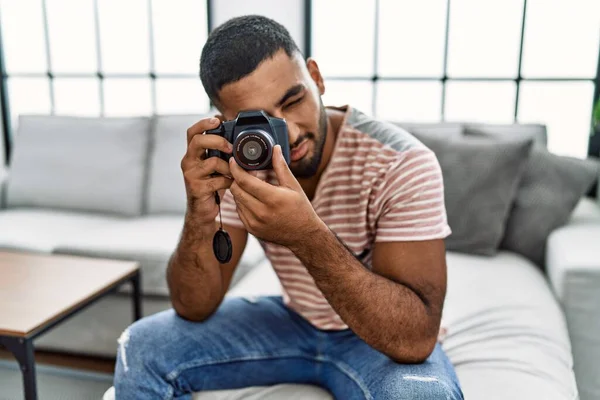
<point>551,187</point>
<point>481,177</point>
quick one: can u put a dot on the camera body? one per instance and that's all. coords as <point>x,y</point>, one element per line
<point>253,134</point>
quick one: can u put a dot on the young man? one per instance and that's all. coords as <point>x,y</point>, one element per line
<point>354,229</point>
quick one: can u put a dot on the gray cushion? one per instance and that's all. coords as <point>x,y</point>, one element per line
<point>536,132</point>
<point>166,189</point>
<point>550,189</point>
<point>480,182</point>
<point>89,164</point>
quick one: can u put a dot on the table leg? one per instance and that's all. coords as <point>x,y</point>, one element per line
<point>137,296</point>
<point>22,349</point>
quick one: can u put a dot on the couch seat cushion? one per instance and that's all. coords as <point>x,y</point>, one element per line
<point>41,231</point>
<point>149,240</point>
<point>507,336</point>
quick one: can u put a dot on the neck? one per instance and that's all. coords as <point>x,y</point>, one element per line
<point>334,122</point>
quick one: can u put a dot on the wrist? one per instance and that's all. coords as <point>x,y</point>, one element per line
<point>311,237</point>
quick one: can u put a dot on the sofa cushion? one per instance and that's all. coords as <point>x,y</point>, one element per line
<point>149,240</point>
<point>76,163</point>
<point>166,188</point>
<point>481,177</point>
<point>551,187</point>
<point>506,334</point>
<point>276,392</point>
<point>41,231</point>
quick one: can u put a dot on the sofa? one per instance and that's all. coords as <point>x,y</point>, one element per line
<point>112,187</point>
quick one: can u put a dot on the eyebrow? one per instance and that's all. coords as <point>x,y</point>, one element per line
<point>294,90</point>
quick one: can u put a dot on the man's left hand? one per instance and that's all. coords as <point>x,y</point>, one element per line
<point>278,214</point>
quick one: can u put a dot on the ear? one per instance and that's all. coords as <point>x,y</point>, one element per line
<point>315,74</point>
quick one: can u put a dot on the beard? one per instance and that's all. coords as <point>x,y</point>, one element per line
<point>308,166</point>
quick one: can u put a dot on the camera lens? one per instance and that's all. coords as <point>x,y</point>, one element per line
<point>253,149</point>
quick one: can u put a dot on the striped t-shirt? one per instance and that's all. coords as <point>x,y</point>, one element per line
<point>380,185</point>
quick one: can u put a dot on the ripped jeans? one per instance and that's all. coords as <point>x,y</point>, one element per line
<point>262,342</point>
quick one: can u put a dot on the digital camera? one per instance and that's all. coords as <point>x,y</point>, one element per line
<point>253,135</point>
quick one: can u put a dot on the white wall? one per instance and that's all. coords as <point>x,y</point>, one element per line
<point>289,13</point>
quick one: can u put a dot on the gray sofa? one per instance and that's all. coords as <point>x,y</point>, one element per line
<point>113,188</point>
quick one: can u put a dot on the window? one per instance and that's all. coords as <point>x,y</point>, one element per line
<point>464,60</point>
<point>103,57</point>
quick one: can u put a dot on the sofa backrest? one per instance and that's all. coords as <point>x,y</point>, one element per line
<point>537,132</point>
<point>131,166</point>
<point>166,188</point>
<point>80,164</point>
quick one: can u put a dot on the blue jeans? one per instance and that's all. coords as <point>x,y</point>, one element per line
<point>262,342</point>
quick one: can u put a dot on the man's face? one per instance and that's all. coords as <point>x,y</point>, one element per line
<point>285,87</point>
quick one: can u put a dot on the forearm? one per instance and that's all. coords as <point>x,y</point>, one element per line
<point>390,316</point>
<point>193,275</point>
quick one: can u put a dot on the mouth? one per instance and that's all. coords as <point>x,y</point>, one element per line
<point>299,151</point>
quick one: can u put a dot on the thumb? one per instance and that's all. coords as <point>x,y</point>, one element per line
<point>282,171</point>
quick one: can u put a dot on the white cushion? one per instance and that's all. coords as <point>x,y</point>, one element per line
<point>150,240</point>
<point>41,231</point>
<point>275,392</point>
<point>507,336</point>
<point>76,163</point>
<point>166,188</point>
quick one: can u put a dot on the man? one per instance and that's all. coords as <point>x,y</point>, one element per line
<point>354,229</point>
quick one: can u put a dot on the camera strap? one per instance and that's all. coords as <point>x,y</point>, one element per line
<point>222,246</point>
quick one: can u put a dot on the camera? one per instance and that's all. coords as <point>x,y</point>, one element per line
<point>253,134</point>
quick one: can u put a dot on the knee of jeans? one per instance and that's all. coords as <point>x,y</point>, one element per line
<point>137,343</point>
<point>413,386</point>
<point>429,387</point>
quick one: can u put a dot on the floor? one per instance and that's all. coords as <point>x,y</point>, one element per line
<point>84,363</point>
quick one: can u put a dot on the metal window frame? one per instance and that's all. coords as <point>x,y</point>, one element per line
<point>99,74</point>
<point>308,10</point>
<point>444,79</point>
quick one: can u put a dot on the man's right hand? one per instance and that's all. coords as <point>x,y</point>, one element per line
<point>200,185</point>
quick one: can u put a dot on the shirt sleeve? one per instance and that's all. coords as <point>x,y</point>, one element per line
<point>229,211</point>
<point>411,201</point>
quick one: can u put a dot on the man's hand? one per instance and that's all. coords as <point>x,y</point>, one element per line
<point>278,214</point>
<point>200,183</point>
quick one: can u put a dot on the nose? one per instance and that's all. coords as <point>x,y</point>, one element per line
<point>294,132</point>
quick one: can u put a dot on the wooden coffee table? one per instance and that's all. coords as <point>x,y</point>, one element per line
<point>39,291</point>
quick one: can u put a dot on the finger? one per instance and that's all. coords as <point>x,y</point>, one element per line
<point>251,205</point>
<point>200,143</point>
<point>215,165</point>
<point>282,171</point>
<point>194,168</point>
<point>201,126</point>
<point>251,184</point>
<point>211,185</point>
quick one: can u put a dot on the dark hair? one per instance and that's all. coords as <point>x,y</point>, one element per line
<point>235,48</point>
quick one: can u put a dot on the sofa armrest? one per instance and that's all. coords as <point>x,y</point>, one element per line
<point>3,184</point>
<point>573,267</point>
